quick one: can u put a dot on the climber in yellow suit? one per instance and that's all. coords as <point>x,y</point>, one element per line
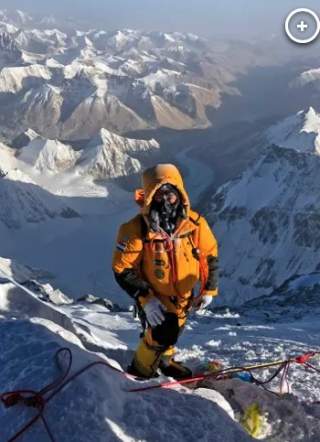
<point>161,255</point>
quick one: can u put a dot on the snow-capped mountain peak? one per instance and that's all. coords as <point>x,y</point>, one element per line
<point>300,132</point>
<point>106,139</point>
<point>312,121</point>
<point>47,155</point>
<point>267,219</point>
<point>109,155</point>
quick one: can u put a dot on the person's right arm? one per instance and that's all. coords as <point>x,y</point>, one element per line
<point>126,261</point>
<point>126,266</point>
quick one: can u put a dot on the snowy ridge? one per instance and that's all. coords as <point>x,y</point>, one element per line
<point>109,155</point>
<point>13,270</point>
<point>300,132</point>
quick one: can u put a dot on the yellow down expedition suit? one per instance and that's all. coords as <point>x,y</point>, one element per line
<point>153,264</point>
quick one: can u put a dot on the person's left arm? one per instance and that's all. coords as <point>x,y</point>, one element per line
<point>208,246</point>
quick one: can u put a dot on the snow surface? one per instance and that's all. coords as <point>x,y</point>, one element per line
<point>22,201</point>
<point>32,330</point>
<point>164,77</point>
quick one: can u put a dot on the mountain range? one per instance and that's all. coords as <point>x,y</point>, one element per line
<point>69,86</point>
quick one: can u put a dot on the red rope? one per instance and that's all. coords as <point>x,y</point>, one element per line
<point>33,399</point>
<point>39,399</point>
<point>222,374</point>
<point>170,384</point>
<point>305,357</point>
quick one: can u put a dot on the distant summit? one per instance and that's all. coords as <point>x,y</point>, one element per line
<point>267,220</point>
<point>300,132</point>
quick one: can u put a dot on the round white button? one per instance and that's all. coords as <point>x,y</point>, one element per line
<point>302,26</point>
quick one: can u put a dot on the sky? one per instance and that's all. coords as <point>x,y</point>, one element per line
<point>235,18</point>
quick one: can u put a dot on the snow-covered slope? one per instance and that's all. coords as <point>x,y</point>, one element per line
<point>22,202</point>
<point>33,330</point>
<point>7,159</point>
<point>267,220</point>
<point>15,79</point>
<point>296,298</point>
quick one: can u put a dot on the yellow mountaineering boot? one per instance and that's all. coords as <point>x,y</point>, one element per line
<point>145,361</point>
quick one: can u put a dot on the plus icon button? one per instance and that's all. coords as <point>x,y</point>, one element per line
<point>299,26</point>
<point>302,26</point>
